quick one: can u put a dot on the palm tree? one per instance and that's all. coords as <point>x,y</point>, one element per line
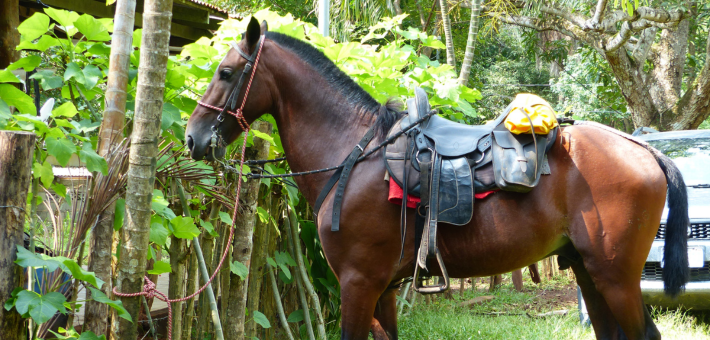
<point>97,314</point>
<point>471,43</point>
<point>144,148</point>
<point>450,58</point>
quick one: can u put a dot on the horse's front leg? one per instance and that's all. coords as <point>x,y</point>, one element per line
<point>385,322</point>
<point>359,293</point>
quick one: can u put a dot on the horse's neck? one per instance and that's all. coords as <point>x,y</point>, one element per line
<point>318,127</point>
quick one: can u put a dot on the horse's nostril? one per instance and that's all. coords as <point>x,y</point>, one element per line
<point>190,143</point>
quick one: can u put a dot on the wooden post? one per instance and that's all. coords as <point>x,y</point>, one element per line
<point>16,150</point>
<point>9,36</point>
<point>518,280</point>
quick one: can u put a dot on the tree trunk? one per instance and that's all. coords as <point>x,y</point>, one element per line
<point>267,301</point>
<point>257,270</point>
<point>176,285</point>
<point>244,228</point>
<point>9,36</point>
<point>496,281</point>
<point>204,316</point>
<point>450,57</point>
<point>141,171</point>
<point>471,43</point>
<point>16,150</point>
<point>192,279</point>
<point>97,314</point>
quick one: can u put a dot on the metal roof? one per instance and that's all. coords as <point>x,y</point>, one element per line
<point>71,172</point>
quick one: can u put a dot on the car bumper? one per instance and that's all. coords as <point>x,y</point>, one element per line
<point>696,296</point>
<point>697,290</point>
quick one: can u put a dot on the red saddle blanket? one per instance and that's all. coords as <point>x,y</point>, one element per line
<point>396,193</point>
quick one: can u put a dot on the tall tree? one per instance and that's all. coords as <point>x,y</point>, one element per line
<point>97,314</point>
<point>471,43</point>
<point>9,36</point>
<point>141,171</point>
<point>630,39</point>
<point>16,150</point>
<point>446,23</point>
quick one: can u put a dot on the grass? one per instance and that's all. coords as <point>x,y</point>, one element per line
<point>513,315</point>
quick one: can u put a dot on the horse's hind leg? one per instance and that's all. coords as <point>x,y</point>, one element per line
<point>603,321</point>
<point>386,316</point>
<point>615,305</point>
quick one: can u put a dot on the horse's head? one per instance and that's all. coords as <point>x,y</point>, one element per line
<point>229,85</point>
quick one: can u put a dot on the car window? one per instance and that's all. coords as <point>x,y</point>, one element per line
<point>692,156</point>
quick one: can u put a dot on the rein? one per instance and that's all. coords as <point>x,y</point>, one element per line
<point>149,288</point>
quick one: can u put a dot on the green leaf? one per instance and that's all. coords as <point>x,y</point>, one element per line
<point>42,44</point>
<point>91,28</point>
<point>92,75</point>
<point>158,232</point>
<point>73,268</point>
<point>93,161</point>
<point>48,80</point>
<point>89,335</point>
<point>27,63</point>
<point>99,296</point>
<point>6,76</point>
<point>137,36</point>
<point>171,114</point>
<point>284,258</point>
<point>271,262</point>
<point>60,189</point>
<point>40,307</point>
<point>26,259</point>
<point>261,319</point>
<point>14,97</point>
<point>262,135</point>
<point>13,298</point>
<point>74,71</point>
<point>34,26</point>
<point>184,227</point>
<point>119,214</point>
<point>225,218</point>
<point>64,18</point>
<point>239,269</point>
<point>85,125</point>
<point>160,267</point>
<point>65,110</point>
<point>296,316</point>
<point>209,227</point>
<point>61,149</point>
<point>43,172</point>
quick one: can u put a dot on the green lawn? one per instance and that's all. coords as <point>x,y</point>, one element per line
<point>513,315</point>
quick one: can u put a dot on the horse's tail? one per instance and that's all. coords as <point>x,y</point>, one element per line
<point>675,252</point>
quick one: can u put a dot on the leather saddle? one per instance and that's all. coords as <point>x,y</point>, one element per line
<point>445,163</point>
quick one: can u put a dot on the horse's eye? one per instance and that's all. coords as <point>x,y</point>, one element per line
<point>225,74</point>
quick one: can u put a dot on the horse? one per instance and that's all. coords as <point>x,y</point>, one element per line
<point>599,211</point>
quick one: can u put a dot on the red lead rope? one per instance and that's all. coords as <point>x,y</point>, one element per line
<point>149,289</point>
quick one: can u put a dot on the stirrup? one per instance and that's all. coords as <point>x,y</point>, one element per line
<point>433,289</point>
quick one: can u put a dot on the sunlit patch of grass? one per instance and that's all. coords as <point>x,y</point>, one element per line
<point>678,324</point>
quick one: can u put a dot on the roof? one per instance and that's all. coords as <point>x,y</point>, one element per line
<point>683,134</point>
<point>204,4</point>
<point>71,172</point>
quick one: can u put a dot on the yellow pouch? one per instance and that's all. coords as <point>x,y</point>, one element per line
<point>540,112</point>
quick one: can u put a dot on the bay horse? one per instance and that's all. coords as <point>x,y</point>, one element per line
<point>599,210</point>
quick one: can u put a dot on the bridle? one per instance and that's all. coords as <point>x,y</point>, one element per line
<point>250,67</point>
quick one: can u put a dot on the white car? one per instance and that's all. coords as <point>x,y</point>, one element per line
<point>690,151</point>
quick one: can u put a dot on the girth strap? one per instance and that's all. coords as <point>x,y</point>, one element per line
<point>341,176</point>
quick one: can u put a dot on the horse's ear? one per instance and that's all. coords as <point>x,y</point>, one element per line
<point>264,27</point>
<point>253,33</point>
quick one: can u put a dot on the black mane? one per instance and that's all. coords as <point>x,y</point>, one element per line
<point>386,114</point>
